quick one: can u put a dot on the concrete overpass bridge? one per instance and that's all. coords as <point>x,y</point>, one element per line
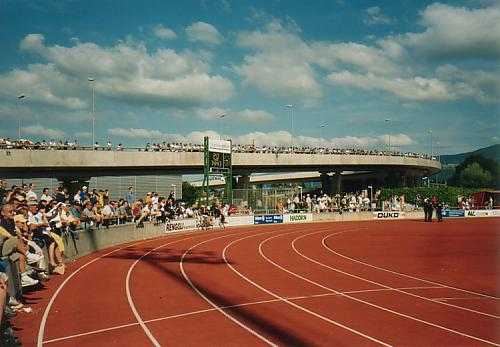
<point>82,164</point>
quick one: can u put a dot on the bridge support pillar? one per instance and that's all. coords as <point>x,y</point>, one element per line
<point>338,182</point>
<point>402,179</point>
<point>243,182</point>
<point>326,183</point>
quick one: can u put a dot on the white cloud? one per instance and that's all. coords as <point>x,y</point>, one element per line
<point>127,72</point>
<point>246,115</point>
<point>273,138</point>
<point>83,135</point>
<point>42,131</point>
<point>42,84</point>
<point>395,139</point>
<point>280,65</point>
<point>457,32</point>
<point>484,86</point>
<point>254,116</point>
<point>416,88</point>
<point>356,56</point>
<point>164,33</point>
<point>203,32</point>
<point>374,15</point>
<point>283,65</point>
<point>135,133</point>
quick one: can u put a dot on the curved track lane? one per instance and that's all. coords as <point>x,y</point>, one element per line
<point>313,284</point>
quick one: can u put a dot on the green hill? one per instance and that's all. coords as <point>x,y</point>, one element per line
<point>491,152</point>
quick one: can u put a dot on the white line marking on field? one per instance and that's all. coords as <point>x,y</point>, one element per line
<point>462,298</point>
<point>137,316</point>
<point>360,300</point>
<point>213,304</point>
<point>192,313</point>
<point>224,252</point>
<point>41,330</point>
<point>323,242</point>
<point>408,276</point>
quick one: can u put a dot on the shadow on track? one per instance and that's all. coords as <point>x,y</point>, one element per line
<point>158,258</point>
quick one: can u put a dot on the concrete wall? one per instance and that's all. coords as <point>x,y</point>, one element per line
<point>91,241</point>
<point>102,163</point>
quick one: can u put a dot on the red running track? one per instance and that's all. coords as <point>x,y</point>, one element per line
<point>356,283</point>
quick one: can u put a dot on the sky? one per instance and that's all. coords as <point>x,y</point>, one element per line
<point>415,75</point>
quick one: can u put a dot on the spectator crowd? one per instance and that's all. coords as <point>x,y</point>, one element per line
<point>33,228</point>
<point>7,143</point>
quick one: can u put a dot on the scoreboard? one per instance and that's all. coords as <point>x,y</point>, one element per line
<point>219,155</point>
<point>219,161</point>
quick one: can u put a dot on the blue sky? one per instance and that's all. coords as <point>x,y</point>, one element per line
<point>358,73</point>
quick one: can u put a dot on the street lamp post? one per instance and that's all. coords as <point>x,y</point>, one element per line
<point>19,98</point>
<point>430,141</point>
<point>219,118</point>
<point>387,120</point>
<point>322,126</point>
<point>290,107</point>
<point>92,81</point>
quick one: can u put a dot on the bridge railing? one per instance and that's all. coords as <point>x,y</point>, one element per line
<point>198,148</point>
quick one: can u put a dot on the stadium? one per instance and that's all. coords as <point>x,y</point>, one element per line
<point>268,175</point>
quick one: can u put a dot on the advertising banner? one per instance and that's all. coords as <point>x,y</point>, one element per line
<point>240,220</point>
<point>297,218</point>
<point>388,215</point>
<point>481,213</point>
<point>219,146</point>
<point>268,219</point>
<point>453,213</point>
<point>180,224</point>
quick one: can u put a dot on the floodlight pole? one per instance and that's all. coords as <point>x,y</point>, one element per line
<point>290,107</point>
<point>387,120</point>
<point>19,98</point>
<point>219,117</point>
<point>92,81</point>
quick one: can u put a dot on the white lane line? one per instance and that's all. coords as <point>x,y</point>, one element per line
<point>43,322</point>
<point>138,317</point>
<point>366,302</point>
<point>409,276</point>
<point>224,255</point>
<point>197,312</point>
<point>386,290</point>
<point>323,242</point>
<point>213,304</point>
<point>462,298</point>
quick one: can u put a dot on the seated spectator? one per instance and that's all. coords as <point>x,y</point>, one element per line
<point>45,195</point>
<point>89,217</point>
<point>13,243</point>
<point>108,214</point>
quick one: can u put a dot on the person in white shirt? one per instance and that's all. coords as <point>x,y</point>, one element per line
<point>30,194</point>
<point>77,198</point>
<point>45,195</point>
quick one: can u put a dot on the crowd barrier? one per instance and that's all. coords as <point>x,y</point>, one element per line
<point>471,213</point>
<point>92,240</point>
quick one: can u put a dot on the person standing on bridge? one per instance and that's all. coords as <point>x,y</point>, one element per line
<point>130,196</point>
